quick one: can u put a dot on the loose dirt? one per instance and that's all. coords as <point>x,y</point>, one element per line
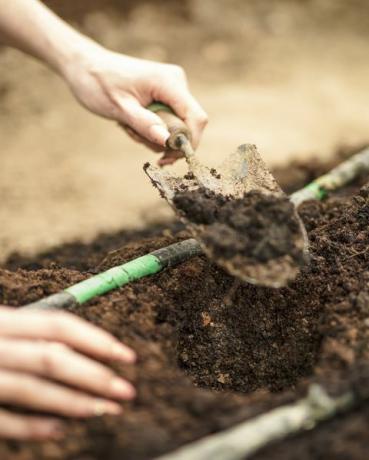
<point>213,351</point>
<point>257,227</point>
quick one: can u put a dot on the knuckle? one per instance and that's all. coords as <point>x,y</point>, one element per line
<point>49,360</point>
<point>203,119</point>
<point>177,71</point>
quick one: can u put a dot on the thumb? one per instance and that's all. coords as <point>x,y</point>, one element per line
<point>144,122</point>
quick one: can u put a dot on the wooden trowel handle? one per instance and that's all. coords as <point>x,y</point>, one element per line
<point>175,125</point>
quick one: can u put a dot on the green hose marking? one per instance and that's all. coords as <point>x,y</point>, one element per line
<point>114,278</point>
<point>159,107</point>
<point>318,191</point>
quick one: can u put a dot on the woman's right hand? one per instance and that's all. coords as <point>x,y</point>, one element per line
<point>49,362</point>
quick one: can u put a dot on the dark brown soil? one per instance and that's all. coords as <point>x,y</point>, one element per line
<point>213,351</point>
<point>257,227</point>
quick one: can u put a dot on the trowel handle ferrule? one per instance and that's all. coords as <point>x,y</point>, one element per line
<point>176,127</point>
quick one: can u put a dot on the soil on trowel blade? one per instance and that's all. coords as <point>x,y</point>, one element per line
<point>213,351</point>
<point>257,227</point>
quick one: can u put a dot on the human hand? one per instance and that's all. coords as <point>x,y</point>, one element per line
<point>109,84</point>
<point>49,363</point>
<point>120,87</point>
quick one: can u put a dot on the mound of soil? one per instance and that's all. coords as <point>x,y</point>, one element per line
<point>213,351</point>
<point>256,227</point>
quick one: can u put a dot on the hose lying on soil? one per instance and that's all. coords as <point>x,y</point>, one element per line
<point>338,177</point>
<point>120,275</point>
<point>244,439</point>
<point>176,253</point>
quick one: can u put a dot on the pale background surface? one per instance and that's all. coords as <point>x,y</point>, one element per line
<point>293,78</point>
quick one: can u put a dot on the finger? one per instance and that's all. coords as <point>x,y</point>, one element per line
<point>144,122</point>
<point>22,427</point>
<point>60,363</point>
<point>36,393</point>
<point>133,135</point>
<point>165,162</point>
<point>169,157</point>
<point>66,328</point>
<point>187,108</point>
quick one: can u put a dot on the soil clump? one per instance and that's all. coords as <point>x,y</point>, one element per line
<point>256,227</point>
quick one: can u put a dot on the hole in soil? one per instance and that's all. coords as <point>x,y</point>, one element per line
<point>237,337</point>
<point>233,336</point>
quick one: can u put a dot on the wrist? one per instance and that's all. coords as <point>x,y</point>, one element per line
<point>77,55</point>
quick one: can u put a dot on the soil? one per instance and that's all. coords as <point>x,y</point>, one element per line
<point>213,351</point>
<point>256,227</point>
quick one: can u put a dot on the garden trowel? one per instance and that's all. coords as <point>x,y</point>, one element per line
<point>242,172</point>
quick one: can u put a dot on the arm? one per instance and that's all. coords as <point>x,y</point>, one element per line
<point>31,27</point>
<point>109,84</point>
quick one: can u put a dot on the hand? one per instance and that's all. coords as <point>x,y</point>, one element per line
<point>120,87</point>
<point>48,363</point>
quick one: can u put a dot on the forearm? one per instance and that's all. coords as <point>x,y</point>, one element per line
<point>31,27</point>
<point>109,84</point>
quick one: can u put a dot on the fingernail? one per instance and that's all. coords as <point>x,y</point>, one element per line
<point>102,407</point>
<point>122,389</point>
<point>123,353</point>
<point>159,134</point>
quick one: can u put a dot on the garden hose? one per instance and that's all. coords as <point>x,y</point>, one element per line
<point>338,177</point>
<point>120,275</point>
<point>176,253</point>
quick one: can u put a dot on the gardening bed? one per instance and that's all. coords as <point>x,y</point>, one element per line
<point>213,351</point>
